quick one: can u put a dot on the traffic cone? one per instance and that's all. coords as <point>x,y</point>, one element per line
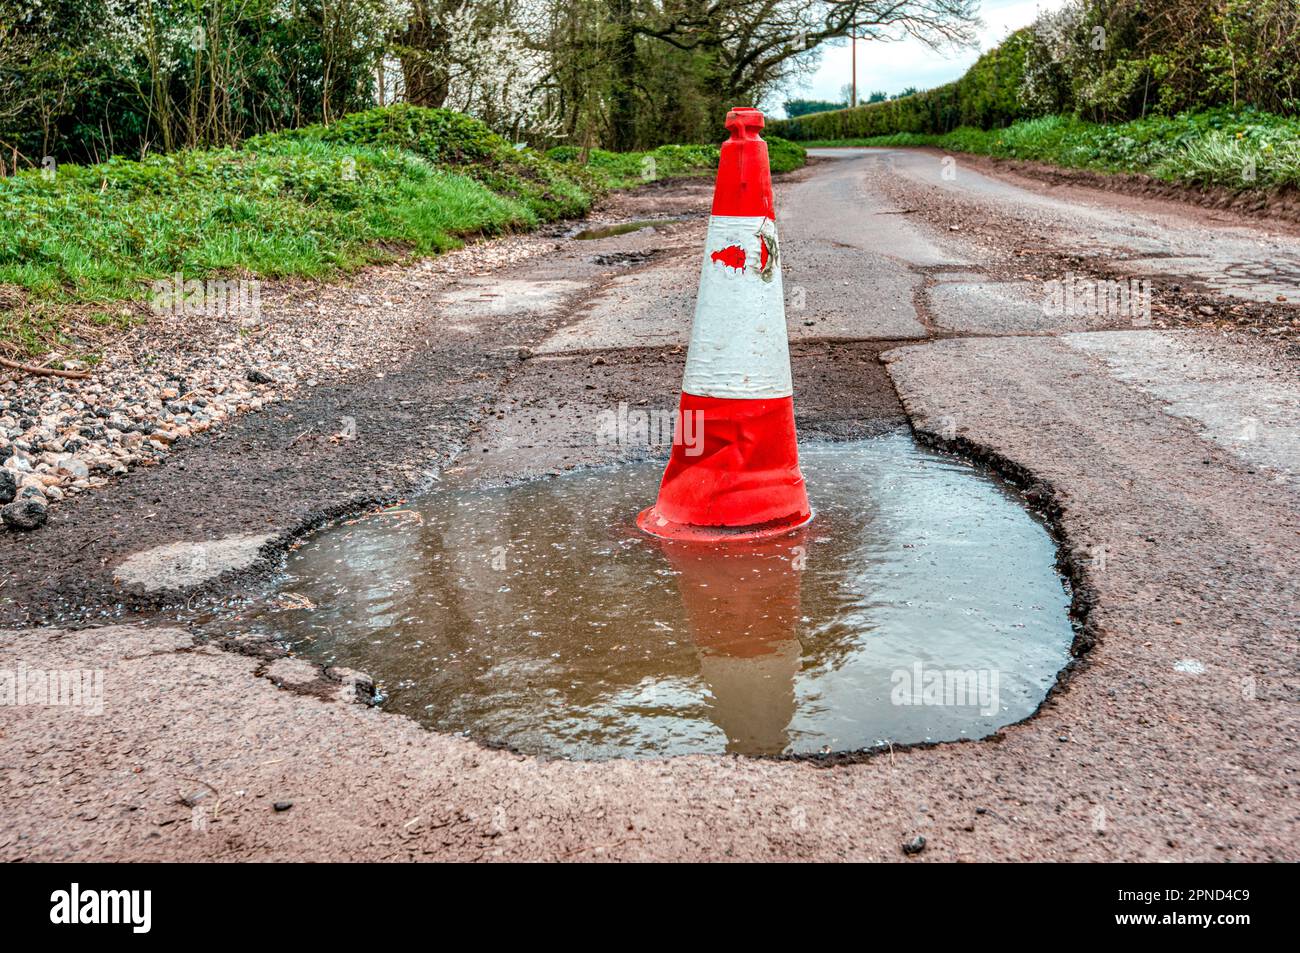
<point>739,477</point>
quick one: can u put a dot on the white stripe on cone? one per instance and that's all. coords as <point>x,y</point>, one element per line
<point>738,344</point>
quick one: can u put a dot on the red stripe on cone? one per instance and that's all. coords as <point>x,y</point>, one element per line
<point>744,183</point>
<point>734,472</point>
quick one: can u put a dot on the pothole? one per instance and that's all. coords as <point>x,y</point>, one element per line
<point>623,228</point>
<point>498,298</point>
<point>922,604</point>
<point>626,257</point>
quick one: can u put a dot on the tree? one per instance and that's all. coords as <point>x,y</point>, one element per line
<point>802,107</point>
<point>423,51</point>
<point>487,59</point>
<point>757,44</point>
<point>669,69</point>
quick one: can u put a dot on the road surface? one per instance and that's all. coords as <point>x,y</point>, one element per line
<point>1162,440</point>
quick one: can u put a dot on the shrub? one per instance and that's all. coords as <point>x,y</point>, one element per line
<point>458,141</point>
<point>623,169</point>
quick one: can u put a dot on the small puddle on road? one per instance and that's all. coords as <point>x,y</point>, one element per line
<point>921,604</point>
<point>609,231</point>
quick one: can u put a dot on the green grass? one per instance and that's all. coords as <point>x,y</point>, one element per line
<point>280,206</point>
<point>312,202</point>
<point>455,141</point>
<point>103,233</point>
<point>1237,150</point>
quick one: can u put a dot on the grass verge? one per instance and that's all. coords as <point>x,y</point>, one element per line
<point>311,202</point>
<point>1236,150</point>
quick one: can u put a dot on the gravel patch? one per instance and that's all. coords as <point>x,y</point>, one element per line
<point>176,376</point>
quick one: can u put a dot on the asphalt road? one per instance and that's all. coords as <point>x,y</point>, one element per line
<point>1166,454</point>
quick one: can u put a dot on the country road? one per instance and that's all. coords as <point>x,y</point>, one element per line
<point>1161,436</point>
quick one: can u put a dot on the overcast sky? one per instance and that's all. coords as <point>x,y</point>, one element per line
<point>895,66</point>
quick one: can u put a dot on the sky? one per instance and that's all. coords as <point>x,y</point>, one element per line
<point>893,67</point>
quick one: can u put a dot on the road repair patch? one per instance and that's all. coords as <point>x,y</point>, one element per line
<point>184,565</point>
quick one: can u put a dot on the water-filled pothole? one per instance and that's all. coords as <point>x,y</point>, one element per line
<point>623,228</point>
<point>921,604</point>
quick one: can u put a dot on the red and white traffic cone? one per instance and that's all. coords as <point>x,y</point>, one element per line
<point>739,477</point>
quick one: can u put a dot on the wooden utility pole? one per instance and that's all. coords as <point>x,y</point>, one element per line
<point>853,44</point>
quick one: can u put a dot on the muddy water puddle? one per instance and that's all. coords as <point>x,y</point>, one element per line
<point>623,228</point>
<point>921,604</point>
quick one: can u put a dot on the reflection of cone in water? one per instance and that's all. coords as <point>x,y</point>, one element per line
<point>742,605</point>
<point>742,479</point>
<point>753,696</point>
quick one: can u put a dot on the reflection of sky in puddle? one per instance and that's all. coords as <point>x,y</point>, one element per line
<point>537,616</point>
<point>623,228</point>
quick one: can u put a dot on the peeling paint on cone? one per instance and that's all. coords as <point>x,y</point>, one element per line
<point>744,481</point>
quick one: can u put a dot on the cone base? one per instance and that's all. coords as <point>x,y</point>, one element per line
<point>649,521</point>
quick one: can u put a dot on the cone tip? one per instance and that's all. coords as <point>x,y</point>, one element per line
<point>745,122</point>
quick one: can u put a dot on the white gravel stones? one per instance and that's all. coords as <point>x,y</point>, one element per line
<point>177,376</point>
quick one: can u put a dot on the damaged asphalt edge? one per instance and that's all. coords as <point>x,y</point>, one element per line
<point>1040,496</point>
<point>135,601</point>
<point>328,682</point>
<point>1045,501</point>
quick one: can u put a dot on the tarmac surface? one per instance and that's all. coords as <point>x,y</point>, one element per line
<point>1160,441</point>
